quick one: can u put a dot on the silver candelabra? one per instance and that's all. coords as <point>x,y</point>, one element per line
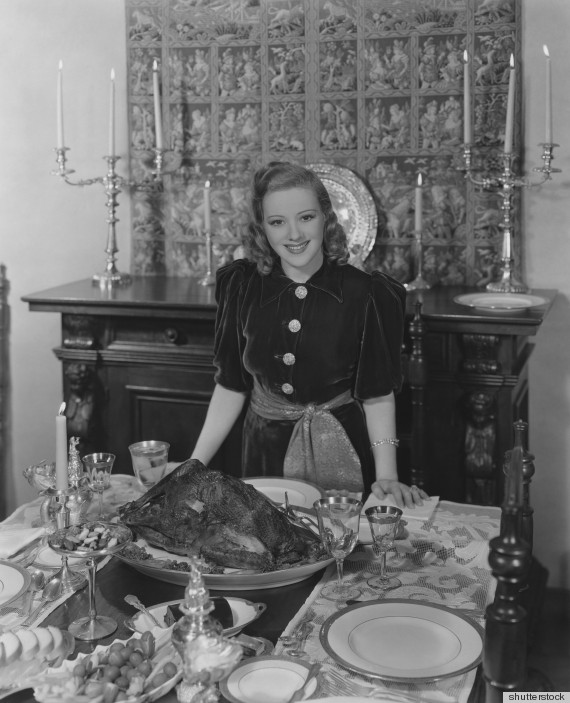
<point>505,183</point>
<point>113,185</point>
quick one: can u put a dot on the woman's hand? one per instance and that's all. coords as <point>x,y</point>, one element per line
<point>408,496</point>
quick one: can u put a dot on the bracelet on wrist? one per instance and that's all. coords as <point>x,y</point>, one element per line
<point>385,440</point>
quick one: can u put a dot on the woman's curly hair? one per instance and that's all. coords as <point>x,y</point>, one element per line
<point>279,175</point>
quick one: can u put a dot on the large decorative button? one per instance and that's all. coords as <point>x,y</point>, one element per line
<point>301,292</point>
<point>294,326</point>
<point>288,359</point>
<point>287,388</point>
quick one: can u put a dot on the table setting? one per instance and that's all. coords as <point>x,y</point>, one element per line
<point>392,608</point>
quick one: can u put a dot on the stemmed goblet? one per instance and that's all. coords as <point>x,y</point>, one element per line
<point>339,519</point>
<point>383,521</point>
<point>99,467</point>
<point>113,538</point>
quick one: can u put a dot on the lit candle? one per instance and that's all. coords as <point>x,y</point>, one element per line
<point>112,114</point>
<point>510,125</point>
<point>548,129</point>
<point>418,222</point>
<point>60,142</point>
<point>466,99</point>
<point>157,111</point>
<point>61,475</point>
<point>207,211</point>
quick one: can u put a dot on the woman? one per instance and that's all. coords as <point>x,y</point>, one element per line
<point>312,342</point>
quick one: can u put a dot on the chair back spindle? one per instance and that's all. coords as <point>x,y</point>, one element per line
<point>505,650</point>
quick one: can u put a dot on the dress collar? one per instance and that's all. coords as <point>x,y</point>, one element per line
<point>328,279</point>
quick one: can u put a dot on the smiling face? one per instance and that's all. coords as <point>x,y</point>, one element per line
<point>293,223</point>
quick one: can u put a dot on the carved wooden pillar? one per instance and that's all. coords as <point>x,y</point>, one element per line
<point>504,655</point>
<point>79,357</point>
<point>417,379</point>
<point>480,360</point>
<point>528,469</point>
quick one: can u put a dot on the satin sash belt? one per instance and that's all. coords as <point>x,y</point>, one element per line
<point>319,450</point>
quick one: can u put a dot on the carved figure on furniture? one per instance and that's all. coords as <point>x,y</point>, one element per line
<point>480,438</point>
<point>80,404</point>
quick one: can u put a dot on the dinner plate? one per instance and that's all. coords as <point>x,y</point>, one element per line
<point>500,302</point>
<point>243,611</point>
<point>266,680</point>
<point>300,493</point>
<point>403,640</point>
<point>236,580</point>
<point>354,206</point>
<point>14,581</point>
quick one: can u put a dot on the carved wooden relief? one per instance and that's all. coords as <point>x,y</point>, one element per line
<point>480,441</point>
<point>373,85</point>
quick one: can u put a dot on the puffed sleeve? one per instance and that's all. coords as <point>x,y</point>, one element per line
<point>379,369</point>
<point>229,341</point>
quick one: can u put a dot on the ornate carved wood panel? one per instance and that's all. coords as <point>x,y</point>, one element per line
<point>373,85</point>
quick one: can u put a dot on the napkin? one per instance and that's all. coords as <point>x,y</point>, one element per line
<point>420,512</point>
<point>12,539</point>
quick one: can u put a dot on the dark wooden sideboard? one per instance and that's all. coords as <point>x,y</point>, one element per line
<point>137,364</point>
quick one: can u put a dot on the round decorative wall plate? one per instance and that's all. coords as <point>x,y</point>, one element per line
<point>354,206</point>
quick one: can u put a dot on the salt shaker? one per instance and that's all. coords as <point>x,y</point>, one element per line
<point>207,656</point>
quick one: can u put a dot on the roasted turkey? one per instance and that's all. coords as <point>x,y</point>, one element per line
<point>195,511</point>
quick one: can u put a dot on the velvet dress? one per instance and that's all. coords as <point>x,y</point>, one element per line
<point>340,331</point>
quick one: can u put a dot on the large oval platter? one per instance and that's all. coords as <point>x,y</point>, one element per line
<point>354,206</point>
<point>241,580</point>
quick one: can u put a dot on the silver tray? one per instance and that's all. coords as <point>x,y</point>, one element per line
<point>354,206</point>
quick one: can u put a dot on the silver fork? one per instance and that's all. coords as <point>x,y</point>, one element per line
<point>338,684</point>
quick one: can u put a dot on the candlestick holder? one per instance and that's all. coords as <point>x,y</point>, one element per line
<point>419,282</point>
<point>505,183</point>
<point>113,185</point>
<point>208,279</point>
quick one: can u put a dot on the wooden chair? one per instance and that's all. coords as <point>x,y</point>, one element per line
<point>504,666</point>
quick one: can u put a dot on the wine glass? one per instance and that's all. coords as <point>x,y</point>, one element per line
<point>98,467</point>
<point>383,521</point>
<point>339,519</point>
<point>112,538</point>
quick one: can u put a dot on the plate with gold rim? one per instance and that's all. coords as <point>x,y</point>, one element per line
<point>422,641</point>
<point>354,206</point>
<point>500,302</point>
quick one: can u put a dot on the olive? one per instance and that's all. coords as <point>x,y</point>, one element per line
<point>158,680</point>
<point>145,667</point>
<point>136,658</point>
<point>170,669</point>
<point>122,682</point>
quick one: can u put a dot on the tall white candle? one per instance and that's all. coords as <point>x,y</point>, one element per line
<point>59,107</point>
<point>510,124</point>
<point>157,110</point>
<point>419,205</point>
<point>112,114</point>
<point>207,208</point>
<point>466,99</point>
<point>61,459</point>
<point>548,127</point>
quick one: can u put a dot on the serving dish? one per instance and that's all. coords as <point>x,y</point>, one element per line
<point>300,493</point>
<point>14,581</point>
<point>354,206</point>
<point>500,302</point>
<point>403,641</point>
<point>266,680</point>
<point>236,580</point>
<point>244,612</point>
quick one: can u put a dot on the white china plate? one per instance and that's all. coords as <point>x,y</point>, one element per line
<point>500,302</point>
<point>49,559</point>
<point>354,206</point>
<point>243,611</point>
<point>231,580</point>
<point>403,640</point>
<point>266,680</point>
<point>14,581</point>
<point>300,493</point>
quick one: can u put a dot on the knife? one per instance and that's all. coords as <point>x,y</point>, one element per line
<point>300,692</point>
